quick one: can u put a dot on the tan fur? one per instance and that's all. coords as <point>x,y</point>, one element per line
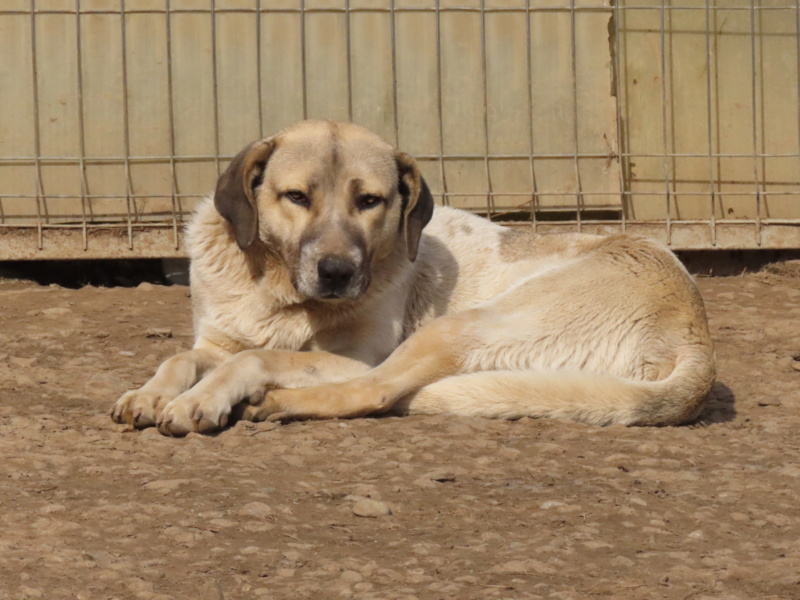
<point>467,318</point>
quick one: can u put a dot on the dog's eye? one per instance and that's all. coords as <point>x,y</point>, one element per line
<point>368,201</point>
<point>298,197</point>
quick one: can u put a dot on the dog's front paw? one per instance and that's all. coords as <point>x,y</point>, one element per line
<point>140,408</point>
<point>193,411</point>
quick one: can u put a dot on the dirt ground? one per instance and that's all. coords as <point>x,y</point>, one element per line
<point>479,509</point>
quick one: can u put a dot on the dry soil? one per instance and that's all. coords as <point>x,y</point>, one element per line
<point>479,509</point>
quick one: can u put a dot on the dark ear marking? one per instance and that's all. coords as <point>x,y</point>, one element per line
<point>417,202</point>
<point>236,187</point>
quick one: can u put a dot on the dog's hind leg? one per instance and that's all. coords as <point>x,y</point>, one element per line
<point>572,395</point>
<point>594,398</point>
<point>440,349</point>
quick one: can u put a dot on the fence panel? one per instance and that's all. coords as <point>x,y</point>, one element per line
<point>677,119</point>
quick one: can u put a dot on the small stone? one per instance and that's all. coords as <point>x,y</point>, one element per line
<point>769,402</point>
<point>622,561</point>
<point>23,361</point>
<point>796,365</point>
<point>438,476</point>
<point>253,527</point>
<point>256,510</point>
<point>351,577</point>
<point>212,591</point>
<point>22,380</point>
<point>222,523</point>
<point>789,471</point>
<point>737,516</point>
<point>648,448</point>
<point>294,461</point>
<point>51,508</point>
<point>366,507</point>
<point>126,353</point>
<point>102,559</point>
<point>146,287</point>
<point>139,586</point>
<point>779,520</point>
<point>523,566</point>
<point>158,332</point>
<point>165,485</point>
<point>442,476</point>
<point>56,312</point>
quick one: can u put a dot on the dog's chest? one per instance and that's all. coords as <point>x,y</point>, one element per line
<point>246,322</point>
<point>283,329</point>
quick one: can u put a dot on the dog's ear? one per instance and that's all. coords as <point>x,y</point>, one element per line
<point>235,195</point>
<point>417,202</point>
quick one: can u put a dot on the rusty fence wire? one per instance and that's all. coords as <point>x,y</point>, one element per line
<point>677,119</point>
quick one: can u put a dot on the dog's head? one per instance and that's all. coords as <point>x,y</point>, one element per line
<point>331,198</point>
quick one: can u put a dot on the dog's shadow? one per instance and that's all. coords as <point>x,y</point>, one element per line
<point>720,406</point>
<point>443,274</point>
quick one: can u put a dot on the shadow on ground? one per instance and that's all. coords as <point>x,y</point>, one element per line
<point>720,406</point>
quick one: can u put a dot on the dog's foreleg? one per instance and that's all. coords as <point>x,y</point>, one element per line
<point>177,374</point>
<point>245,376</point>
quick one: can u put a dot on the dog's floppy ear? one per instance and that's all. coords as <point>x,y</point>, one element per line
<point>235,195</point>
<point>417,202</point>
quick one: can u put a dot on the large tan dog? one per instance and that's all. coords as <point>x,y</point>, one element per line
<point>316,294</point>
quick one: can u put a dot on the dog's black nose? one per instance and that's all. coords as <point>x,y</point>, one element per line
<point>335,273</point>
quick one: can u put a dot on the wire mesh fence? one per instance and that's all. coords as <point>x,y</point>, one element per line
<point>677,119</point>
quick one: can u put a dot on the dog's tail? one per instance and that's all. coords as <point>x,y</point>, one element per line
<point>575,395</point>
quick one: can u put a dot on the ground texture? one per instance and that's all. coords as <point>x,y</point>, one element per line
<point>479,509</point>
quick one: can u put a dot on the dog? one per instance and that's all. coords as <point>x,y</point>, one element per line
<point>326,285</point>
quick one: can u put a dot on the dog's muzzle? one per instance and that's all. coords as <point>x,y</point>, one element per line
<point>336,277</point>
